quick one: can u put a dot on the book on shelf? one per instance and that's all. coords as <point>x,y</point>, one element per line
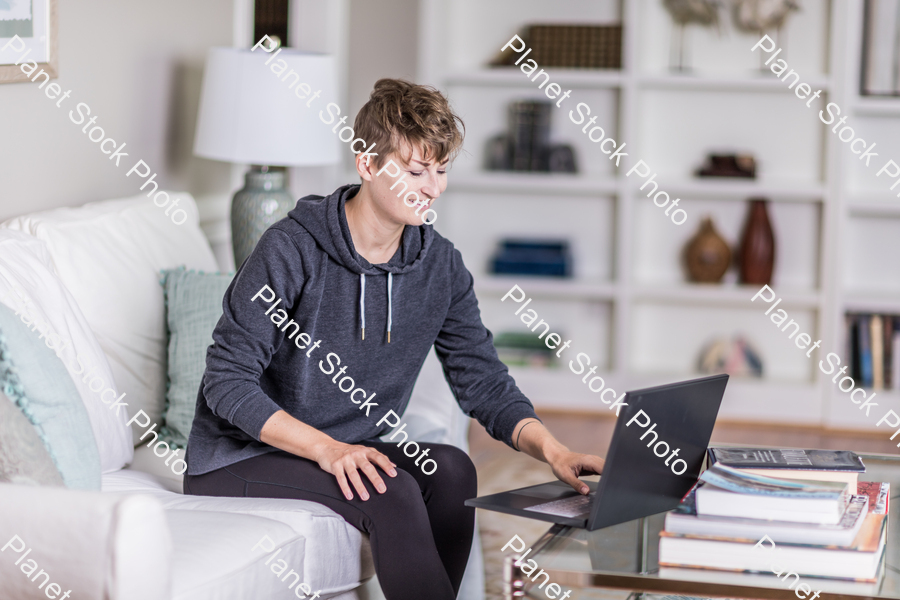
<point>793,463</point>
<point>872,341</point>
<point>877,336</point>
<point>732,493</point>
<point>865,351</point>
<point>727,549</point>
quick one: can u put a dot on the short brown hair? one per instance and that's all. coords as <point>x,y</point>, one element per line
<point>398,110</point>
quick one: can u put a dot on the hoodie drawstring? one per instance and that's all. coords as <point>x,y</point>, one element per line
<point>362,304</point>
<point>390,285</point>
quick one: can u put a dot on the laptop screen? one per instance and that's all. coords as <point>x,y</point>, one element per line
<point>657,449</point>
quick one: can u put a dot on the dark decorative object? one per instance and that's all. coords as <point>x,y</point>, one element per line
<point>529,132</point>
<point>262,202</point>
<point>270,17</point>
<point>707,255</point>
<point>570,46</point>
<point>735,357</point>
<point>757,252</point>
<point>527,145</point>
<point>702,12</point>
<point>548,258</point>
<point>729,165</point>
<point>562,159</point>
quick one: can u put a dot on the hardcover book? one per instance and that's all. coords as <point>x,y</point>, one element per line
<point>791,458</point>
<point>731,493</point>
<point>793,463</point>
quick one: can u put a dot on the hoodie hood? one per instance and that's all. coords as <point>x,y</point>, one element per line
<point>325,220</point>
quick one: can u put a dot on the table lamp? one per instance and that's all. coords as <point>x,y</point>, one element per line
<point>257,113</point>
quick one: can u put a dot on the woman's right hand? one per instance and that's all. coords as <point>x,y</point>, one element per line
<point>344,461</point>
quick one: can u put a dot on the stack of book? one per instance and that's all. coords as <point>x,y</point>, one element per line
<point>817,518</point>
<point>874,349</point>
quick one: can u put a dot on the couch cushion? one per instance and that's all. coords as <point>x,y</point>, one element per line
<point>36,379</point>
<point>193,307</point>
<point>23,457</point>
<point>109,254</point>
<point>215,558</point>
<point>28,285</point>
<point>337,556</point>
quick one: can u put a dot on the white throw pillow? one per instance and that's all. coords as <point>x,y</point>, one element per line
<point>28,285</point>
<point>109,255</point>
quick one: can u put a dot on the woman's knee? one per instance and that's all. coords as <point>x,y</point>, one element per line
<point>402,489</point>
<point>454,465</point>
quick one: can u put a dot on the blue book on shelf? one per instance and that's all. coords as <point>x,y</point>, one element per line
<point>865,351</point>
<point>533,257</point>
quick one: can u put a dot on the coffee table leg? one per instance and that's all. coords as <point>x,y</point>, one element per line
<point>643,541</point>
<point>513,579</point>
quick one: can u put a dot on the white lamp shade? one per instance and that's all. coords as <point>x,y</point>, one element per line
<point>249,114</point>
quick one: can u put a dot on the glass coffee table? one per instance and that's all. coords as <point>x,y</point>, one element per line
<point>624,557</point>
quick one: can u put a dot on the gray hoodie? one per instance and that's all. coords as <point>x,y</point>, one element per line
<point>315,287</point>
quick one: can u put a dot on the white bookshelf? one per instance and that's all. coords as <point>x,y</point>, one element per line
<point>629,306</point>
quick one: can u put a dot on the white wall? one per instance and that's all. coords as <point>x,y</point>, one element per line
<point>383,43</point>
<point>138,65</point>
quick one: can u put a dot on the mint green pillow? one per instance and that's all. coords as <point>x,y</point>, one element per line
<point>33,377</point>
<point>193,307</point>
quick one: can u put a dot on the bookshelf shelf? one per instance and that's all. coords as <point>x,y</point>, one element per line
<point>712,83</point>
<point>532,183</point>
<point>701,295</point>
<point>513,76</point>
<point>874,205</point>
<point>877,107</point>
<point>872,302</point>
<point>545,287</point>
<point>740,190</point>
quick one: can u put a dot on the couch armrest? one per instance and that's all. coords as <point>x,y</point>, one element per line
<point>96,545</point>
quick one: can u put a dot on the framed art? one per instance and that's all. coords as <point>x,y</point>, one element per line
<point>28,32</point>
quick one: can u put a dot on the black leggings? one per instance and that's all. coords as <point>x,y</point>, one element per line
<point>420,530</point>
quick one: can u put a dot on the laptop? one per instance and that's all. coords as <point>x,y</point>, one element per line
<point>636,480</point>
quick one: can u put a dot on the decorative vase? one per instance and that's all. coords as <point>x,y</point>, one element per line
<point>707,255</point>
<point>757,249</point>
<point>261,203</point>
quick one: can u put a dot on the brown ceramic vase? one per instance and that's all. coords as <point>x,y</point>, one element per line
<point>707,255</point>
<point>757,251</point>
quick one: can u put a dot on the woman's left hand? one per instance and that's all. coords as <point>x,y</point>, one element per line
<point>568,466</point>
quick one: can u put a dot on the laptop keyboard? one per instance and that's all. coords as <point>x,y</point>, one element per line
<point>574,506</point>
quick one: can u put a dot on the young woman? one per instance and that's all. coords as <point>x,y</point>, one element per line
<point>368,289</point>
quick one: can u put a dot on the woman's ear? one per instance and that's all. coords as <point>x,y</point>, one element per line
<point>365,168</point>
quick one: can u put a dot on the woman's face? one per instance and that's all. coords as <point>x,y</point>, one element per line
<point>416,185</point>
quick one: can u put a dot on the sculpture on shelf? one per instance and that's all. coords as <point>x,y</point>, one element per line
<point>728,165</point>
<point>757,16</point>
<point>702,12</point>
<point>707,255</point>
<point>733,356</point>
<point>756,256</point>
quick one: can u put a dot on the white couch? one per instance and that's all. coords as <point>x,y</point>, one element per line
<point>140,538</point>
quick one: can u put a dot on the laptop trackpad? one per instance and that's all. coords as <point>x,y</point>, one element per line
<point>547,491</point>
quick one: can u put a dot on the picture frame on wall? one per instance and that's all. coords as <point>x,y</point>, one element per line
<point>35,24</point>
<point>880,72</point>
